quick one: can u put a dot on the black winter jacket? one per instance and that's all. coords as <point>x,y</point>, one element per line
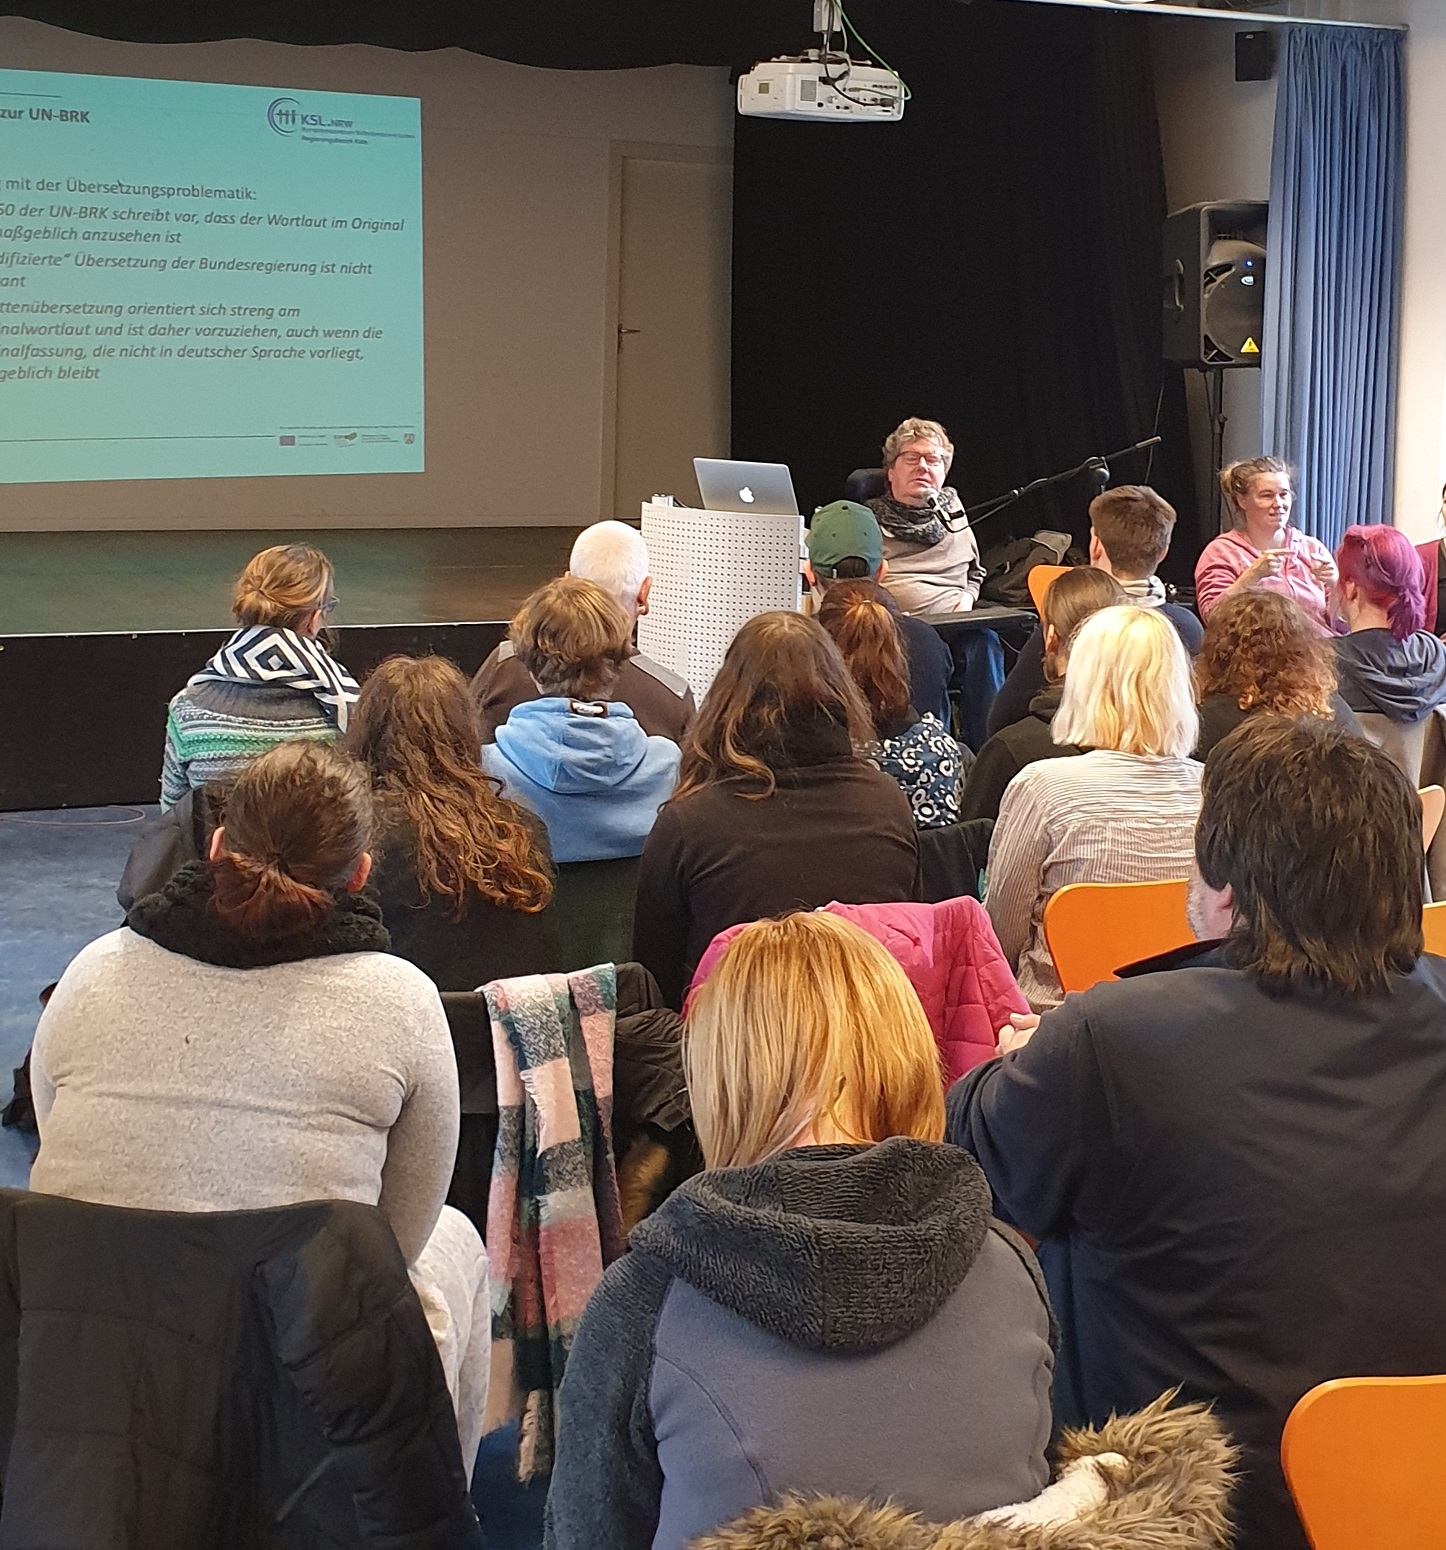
<point>254,1380</point>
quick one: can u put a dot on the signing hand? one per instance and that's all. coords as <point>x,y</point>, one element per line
<point>1324,570</point>
<point>1017,1032</point>
<point>1270,563</point>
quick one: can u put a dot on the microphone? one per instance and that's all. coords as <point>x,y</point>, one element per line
<point>940,510</point>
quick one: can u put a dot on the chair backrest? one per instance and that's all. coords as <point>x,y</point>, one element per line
<point>1404,745</point>
<point>1433,805</point>
<point>592,911</point>
<point>951,858</point>
<point>1433,927</point>
<point>1041,578</point>
<point>1364,1457</point>
<point>1092,929</point>
<point>864,485</point>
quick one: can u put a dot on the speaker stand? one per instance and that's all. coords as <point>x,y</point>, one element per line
<point>1215,405</point>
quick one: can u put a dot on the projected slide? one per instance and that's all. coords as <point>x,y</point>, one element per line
<point>207,281</point>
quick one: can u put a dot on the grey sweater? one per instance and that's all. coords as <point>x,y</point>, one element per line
<point>169,1084</point>
<point>840,1320</point>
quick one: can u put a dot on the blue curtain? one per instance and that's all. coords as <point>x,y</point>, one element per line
<point>1332,295</point>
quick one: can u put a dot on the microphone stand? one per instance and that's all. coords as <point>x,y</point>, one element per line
<point>1098,468</point>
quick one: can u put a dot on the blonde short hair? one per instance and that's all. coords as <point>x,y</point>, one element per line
<point>1127,687</point>
<point>914,429</point>
<point>808,1018</point>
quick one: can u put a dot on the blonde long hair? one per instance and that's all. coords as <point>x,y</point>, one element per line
<point>1127,687</point>
<point>806,1019</point>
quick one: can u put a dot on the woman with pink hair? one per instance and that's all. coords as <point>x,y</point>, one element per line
<point>1389,665</point>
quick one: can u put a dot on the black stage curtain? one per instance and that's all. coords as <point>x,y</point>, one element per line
<point>993,261</point>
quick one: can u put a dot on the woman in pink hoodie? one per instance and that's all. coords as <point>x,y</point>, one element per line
<point>1263,549</point>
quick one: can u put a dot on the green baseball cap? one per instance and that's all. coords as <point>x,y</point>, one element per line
<point>843,530</point>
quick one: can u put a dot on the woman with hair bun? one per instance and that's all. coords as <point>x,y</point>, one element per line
<point>1263,549</point>
<point>1389,664</point>
<point>913,750</point>
<point>247,1041</point>
<point>272,682</point>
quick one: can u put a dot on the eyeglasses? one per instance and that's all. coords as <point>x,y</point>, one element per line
<point>928,459</point>
<point>329,606</point>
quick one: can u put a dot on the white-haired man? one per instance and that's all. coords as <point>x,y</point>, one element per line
<point>614,556</point>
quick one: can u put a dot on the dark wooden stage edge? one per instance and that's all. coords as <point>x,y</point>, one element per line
<point>84,716</point>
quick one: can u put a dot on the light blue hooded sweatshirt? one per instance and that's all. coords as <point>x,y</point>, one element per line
<point>592,775</point>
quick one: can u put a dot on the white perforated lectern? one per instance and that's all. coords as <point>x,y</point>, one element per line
<point>712,571</point>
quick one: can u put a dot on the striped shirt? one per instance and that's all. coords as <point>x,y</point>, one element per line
<point>1102,818</point>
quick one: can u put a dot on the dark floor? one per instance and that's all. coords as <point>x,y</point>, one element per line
<point>63,583</point>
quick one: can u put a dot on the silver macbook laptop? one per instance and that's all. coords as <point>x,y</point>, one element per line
<point>725,486</point>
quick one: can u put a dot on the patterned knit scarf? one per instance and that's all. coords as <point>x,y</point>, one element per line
<point>553,1218</point>
<point>267,654</point>
<point>911,524</point>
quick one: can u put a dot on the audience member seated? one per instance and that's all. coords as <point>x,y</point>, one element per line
<point>577,759</point>
<point>1389,664</point>
<point>828,1308</point>
<point>1263,654</point>
<point>1263,549</point>
<point>911,749</point>
<point>1237,1164</point>
<point>1072,599</point>
<point>774,810</point>
<point>464,877</point>
<point>272,682</point>
<point>614,556</point>
<point>1130,531</point>
<point>846,543</point>
<point>1122,812</point>
<point>246,1041</point>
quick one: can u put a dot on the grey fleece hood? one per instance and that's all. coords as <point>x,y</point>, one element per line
<point>832,1248</point>
<point>1400,679</point>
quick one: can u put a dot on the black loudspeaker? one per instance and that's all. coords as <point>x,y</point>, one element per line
<point>1255,55</point>
<point>1215,283</point>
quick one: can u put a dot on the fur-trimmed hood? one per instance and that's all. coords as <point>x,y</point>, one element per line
<point>1167,1488</point>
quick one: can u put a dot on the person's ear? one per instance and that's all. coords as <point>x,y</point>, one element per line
<point>883,571</point>
<point>218,843</point>
<point>642,605</point>
<point>1051,639</point>
<point>1097,553</point>
<point>358,879</point>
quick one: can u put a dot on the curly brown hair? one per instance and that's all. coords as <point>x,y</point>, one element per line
<point>415,728</point>
<point>781,670</point>
<point>1262,649</point>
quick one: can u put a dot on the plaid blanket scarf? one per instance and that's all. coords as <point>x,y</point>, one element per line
<point>553,1220</point>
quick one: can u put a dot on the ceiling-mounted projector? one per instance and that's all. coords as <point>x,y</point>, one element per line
<point>814,87</point>
<point>824,83</point>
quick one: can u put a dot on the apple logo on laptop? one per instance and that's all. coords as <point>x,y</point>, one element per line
<point>746,495</point>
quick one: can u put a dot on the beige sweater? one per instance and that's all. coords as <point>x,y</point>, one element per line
<point>172,1085</point>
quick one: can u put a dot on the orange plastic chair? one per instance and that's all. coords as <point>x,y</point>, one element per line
<point>1041,579</point>
<point>1433,925</point>
<point>1092,929</point>
<point>1433,805</point>
<point>1364,1459</point>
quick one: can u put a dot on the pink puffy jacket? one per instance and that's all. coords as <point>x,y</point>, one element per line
<point>953,960</point>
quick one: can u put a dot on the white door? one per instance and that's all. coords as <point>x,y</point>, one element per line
<point>673,313</point>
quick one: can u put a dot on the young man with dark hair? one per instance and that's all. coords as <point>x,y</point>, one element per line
<point>1235,1158</point>
<point>1130,529</point>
